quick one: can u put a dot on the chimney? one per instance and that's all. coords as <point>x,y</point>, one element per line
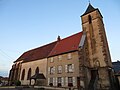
<point>58,39</point>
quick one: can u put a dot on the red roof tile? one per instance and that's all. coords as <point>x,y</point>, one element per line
<point>68,44</point>
<point>37,53</point>
<point>61,46</point>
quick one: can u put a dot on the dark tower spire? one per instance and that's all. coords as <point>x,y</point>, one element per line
<point>89,9</point>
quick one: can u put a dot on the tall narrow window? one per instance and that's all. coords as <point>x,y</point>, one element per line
<point>59,81</point>
<point>90,19</point>
<point>70,68</point>
<point>52,70</point>
<point>29,74</point>
<point>59,69</point>
<point>70,81</point>
<point>23,74</point>
<point>16,74</point>
<point>51,82</point>
<point>37,70</point>
<point>12,76</point>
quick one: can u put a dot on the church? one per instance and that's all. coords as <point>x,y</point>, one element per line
<point>81,61</point>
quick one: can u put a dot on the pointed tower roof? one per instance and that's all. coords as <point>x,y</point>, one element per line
<point>89,9</point>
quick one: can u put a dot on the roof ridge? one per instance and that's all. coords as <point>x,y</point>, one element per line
<point>71,35</point>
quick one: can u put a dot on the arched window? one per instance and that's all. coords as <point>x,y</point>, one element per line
<point>29,74</point>
<point>12,76</point>
<point>16,74</point>
<point>37,70</point>
<point>96,63</point>
<point>23,74</point>
<point>90,19</point>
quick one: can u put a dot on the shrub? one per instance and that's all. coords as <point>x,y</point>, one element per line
<point>51,84</point>
<point>17,83</point>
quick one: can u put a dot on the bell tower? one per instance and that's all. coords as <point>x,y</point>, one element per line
<point>97,47</point>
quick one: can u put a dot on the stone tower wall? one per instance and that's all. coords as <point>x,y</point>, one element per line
<point>99,56</point>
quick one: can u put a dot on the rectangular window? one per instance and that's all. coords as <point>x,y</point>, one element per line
<point>70,81</point>
<point>69,56</point>
<point>59,81</point>
<point>59,69</point>
<point>70,68</point>
<point>51,59</point>
<point>59,57</point>
<point>51,82</point>
<point>52,70</point>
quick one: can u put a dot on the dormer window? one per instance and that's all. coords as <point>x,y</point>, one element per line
<point>90,19</point>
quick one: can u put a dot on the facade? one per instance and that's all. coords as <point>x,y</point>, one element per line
<point>33,67</point>
<point>79,61</point>
<point>30,63</point>
<point>63,62</point>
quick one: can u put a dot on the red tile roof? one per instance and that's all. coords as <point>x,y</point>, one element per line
<point>61,46</point>
<point>37,53</point>
<point>68,44</point>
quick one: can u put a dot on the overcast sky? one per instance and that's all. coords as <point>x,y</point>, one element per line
<point>27,24</point>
